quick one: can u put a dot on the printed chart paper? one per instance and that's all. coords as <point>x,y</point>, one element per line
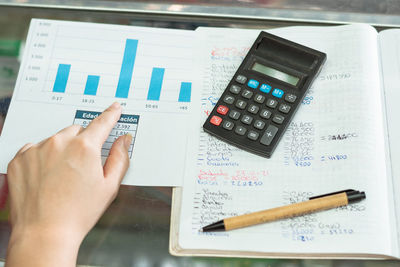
<point>72,66</point>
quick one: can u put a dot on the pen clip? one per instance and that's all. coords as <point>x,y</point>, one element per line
<point>347,191</point>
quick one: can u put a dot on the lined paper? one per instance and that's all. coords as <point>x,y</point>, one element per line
<point>335,142</point>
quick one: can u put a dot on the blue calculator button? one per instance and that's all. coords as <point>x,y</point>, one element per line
<point>253,84</point>
<point>265,88</point>
<point>277,93</point>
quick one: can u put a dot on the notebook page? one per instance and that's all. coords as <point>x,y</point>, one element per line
<point>332,144</point>
<point>390,58</point>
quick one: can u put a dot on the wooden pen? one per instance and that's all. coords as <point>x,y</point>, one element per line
<point>314,204</point>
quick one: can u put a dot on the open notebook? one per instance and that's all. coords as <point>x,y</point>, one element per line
<point>339,139</point>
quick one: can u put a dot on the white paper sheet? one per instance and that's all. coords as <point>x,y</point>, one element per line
<point>335,142</point>
<point>70,66</point>
<point>389,41</point>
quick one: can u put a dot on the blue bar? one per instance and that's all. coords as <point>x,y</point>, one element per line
<point>128,62</point>
<point>157,76</point>
<point>92,83</point>
<point>185,92</point>
<point>62,77</point>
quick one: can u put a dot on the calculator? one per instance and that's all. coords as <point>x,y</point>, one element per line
<point>259,102</point>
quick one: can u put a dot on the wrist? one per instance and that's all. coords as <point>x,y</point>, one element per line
<point>37,246</point>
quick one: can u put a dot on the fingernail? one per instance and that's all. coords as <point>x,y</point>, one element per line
<point>115,105</point>
<point>127,141</point>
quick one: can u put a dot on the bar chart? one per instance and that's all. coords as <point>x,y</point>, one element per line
<point>72,71</point>
<point>142,69</point>
<point>125,78</point>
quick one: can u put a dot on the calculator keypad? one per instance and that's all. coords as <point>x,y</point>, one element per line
<point>253,111</point>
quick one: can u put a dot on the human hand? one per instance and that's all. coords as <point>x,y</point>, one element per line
<point>59,188</point>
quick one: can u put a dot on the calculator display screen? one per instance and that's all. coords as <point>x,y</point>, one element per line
<point>277,74</point>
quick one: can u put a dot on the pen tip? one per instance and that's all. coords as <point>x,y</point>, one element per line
<point>201,230</point>
<point>217,226</point>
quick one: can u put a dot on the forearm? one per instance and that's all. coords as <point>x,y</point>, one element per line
<point>42,248</point>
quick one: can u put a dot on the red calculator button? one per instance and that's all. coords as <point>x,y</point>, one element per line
<point>222,110</point>
<point>216,120</point>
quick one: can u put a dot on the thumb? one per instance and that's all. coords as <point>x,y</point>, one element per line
<point>117,162</point>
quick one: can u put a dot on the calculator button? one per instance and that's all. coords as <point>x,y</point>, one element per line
<point>253,84</point>
<point>228,125</point>
<point>265,88</point>
<point>272,103</point>
<point>278,119</point>
<point>290,98</point>
<point>246,119</point>
<point>265,113</point>
<point>234,114</point>
<point>247,94</point>
<point>216,120</point>
<point>241,79</point>
<point>277,93</point>
<point>253,109</point>
<point>259,124</point>
<point>235,89</point>
<point>222,110</point>
<point>284,108</point>
<point>241,104</point>
<point>229,99</point>
<point>252,135</point>
<point>268,135</point>
<point>240,130</point>
<point>259,98</point>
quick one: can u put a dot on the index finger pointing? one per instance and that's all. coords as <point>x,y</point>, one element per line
<point>100,128</point>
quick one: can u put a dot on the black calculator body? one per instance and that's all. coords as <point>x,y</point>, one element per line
<point>261,99</point>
